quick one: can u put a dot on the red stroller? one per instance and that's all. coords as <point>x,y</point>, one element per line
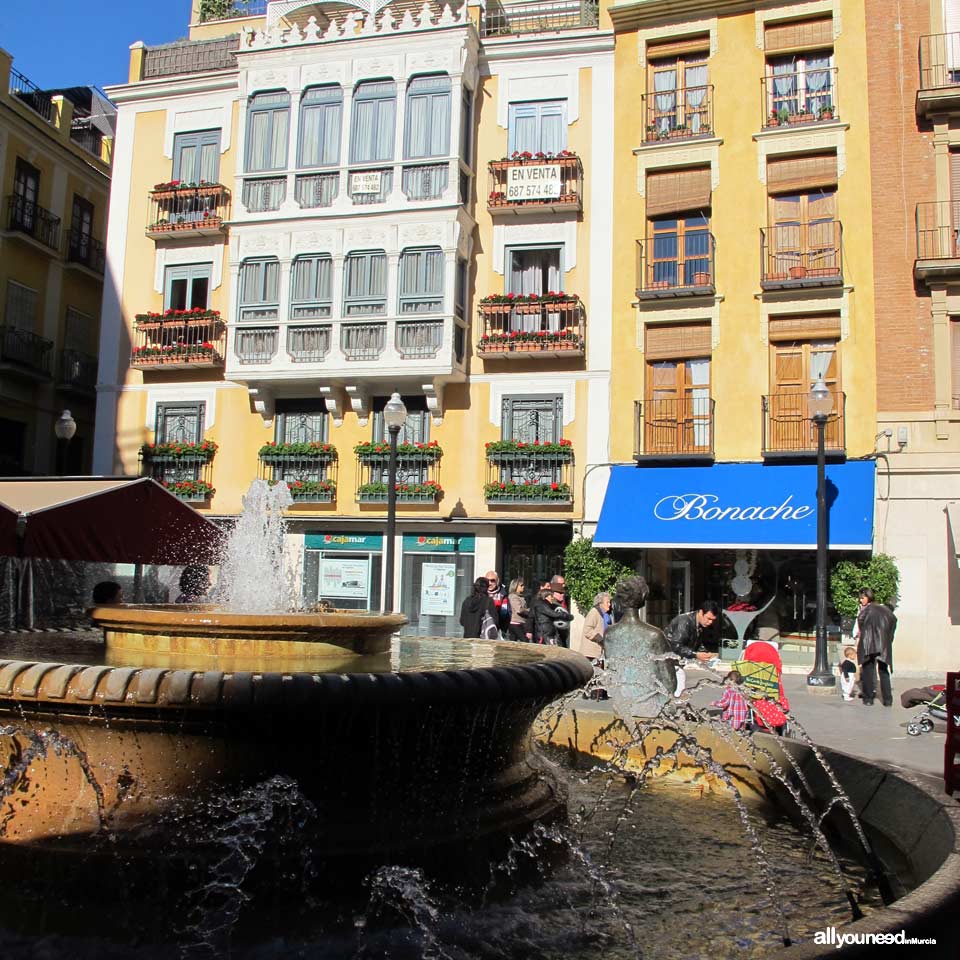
<point>769,711</point>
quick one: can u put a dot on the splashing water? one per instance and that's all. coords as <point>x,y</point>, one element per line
<point>252,577</point>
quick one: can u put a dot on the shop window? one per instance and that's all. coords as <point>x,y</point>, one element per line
<point>677,89</point>
<point>187,286</point>
<point>365,283</point>
<point>427,122</point>
<point>196,156</point>
<point>321,110</point>
<point>421,281</point>
<point>21,307</point>
<point>311,287</point>
<point>374,118</point>
<point>677,415</point>
<point>347,574</point>
<point>268,122</point>
<point>537,127</point>
<point>436,575</point>
<point>259,290</point>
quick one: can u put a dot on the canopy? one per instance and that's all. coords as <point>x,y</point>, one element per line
<point>103,520</point>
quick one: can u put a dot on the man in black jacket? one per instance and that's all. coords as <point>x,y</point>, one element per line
<point>547,614</point>
<point>684,632</point>
<point>877,625</point>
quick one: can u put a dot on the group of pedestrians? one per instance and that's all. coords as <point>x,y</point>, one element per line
<point>492,612</point>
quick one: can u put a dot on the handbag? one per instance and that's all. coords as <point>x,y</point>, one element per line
<point>488,627</point>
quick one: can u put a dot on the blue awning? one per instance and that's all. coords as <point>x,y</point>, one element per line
<point>736,505</point>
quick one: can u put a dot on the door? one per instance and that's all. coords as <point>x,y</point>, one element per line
<point>178,423</point>
<point>805,238</point>
<point>797,366</point>
<point>529,421</point>
<point>26,191</point>
<point>81,228</point>
<point>678,407</point>
<point>187,287</point>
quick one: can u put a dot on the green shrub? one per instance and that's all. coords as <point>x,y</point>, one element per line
<point>589,571</point>
<point>849,577</point>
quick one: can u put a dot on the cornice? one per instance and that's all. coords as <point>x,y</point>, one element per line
<point>647,12</point>
<point>164,87</point>
<point>520,47</point>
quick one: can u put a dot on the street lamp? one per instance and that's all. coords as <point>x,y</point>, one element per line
<point>65,429</point>
<point>820,406</point>
<point>394,416</point>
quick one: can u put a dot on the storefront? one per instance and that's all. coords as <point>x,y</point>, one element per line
<point>344,569</point>
<point>437,574</point>
<point>742,534</point>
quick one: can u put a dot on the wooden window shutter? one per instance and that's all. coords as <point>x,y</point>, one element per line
<point>955,363</point>
<point>670,191</point>
<point>955,176</point>
<point>798,35</point>
<point>678,47</point>
<point>816,327</point>
<point>677,341</point>
<point>798,174</point>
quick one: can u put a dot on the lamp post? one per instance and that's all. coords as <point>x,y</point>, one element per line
<point>65,429</point>
<point>820,406</point>
<point>394,416</point>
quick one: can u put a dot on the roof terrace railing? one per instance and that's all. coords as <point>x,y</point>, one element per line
<point>231,9</point>
<point>30,94</point>
<point>502,20</point>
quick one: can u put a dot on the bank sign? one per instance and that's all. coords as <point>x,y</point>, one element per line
<point>737,505</point>
<point>365,543</point>
<point>533,182</point>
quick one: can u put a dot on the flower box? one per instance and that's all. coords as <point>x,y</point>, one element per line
<point>510,451</point>
<point>197,315</point>
<point>318,491</point>
<point>530,492</point>
<point>281,452</point>
<point>193,490</point>
<point>798,273</point>
<point>379,452</point>
<point>203,451</point>
<point>376,492</point>
<point>800,118</point>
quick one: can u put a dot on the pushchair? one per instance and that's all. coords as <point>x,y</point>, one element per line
<point>762,670</point>
<point>936,709</point>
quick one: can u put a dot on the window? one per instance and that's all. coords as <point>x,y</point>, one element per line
<point>427,131</point>
<point>311,287</point>
<point>804,234</point>
<point>374,117</point>
<point>680,251</point>
<point>678,87</point>
<point>259,290</point>
<point>365,283</point>
<point>466,128</point>
<point>81,229</point>
<point>300,421</point>
<point>26,190</point>
<point>460,290</point>
<point>799,84</point>
<point>534,270</point>
<point>178,423</point>
<point>677,414</point>
<point>421,281</point>
<point>320,112</point>
<point>21,311</point>
<point>528,420</point>
<point>796,365</point>
<point>955,362</point>
<point>187,287</point>
<point>268,119</point>
<point>196,156</point>
<point>416,429</point>
<point>78,331</point>
<point>537,127</point>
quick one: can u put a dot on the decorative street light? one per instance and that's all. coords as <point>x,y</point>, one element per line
<point>65,429</point>
<point>394,416</point>
<point>820,406</point>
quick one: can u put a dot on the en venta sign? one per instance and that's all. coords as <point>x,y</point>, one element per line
<point>366,182</point>
<point>533,182</point>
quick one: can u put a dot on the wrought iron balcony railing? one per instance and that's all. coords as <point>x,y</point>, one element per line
<point>85,250</point>
<point>311,479</point>
<point>526,183</point>
<point>78,371</point>
<point>86,136</point>
<point>186,477</point>
<point>178,343</point>
<point>672,265</point>
<point>801,96</point>
<point>789,430</point>
<point>504,18</point>
<point>939,61</point>
<point>24,351</point>
<point>802,255</point>
<point>678,114</point>
<point>255,345</point>
<point>264,194</point>
<point>938,222</point>
<point>30,218</point>
<point>416,480</point>
<point>29,93</point>
<point>679,427</point>
<point>529,329</point>
<point>178,212</point>
<point>529,477</point>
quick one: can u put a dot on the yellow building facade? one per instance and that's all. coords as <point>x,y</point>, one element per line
<point>55,157</point>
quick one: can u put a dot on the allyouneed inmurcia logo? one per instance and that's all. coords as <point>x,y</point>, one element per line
<point>707,506</point>
<point>834,937</point>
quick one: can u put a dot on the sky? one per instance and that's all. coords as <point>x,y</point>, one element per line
<point>63,43</point>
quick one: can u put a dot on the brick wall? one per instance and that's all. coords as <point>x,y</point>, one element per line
<point>903,174</point>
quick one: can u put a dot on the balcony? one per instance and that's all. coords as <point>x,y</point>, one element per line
<point>789,431</point>
<point>31,95</point>
<point>669,266</point>
<point>417,469</point>
<point>24,353</point>
<point>678,428</point>
<point>801,255</point>
<point>230,9</point>
<point>529,184</point>
<point>77,373</point>
<point>939,74</point>
<point>504,19</point>
<point>184,469</point>
<point>672,115</point>
<point>308,469</point>
<point>529,473</point>
<point>24,217</point>
<point>183,211</point>
<point>799,98</point>
<point>521,328</point>
<point>938,246</point>
<point>84,251</point>
<point>178,340</point>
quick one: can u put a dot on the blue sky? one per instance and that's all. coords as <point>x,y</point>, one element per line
<point>61,43</point>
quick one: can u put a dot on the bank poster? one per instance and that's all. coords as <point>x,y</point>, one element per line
<point>438,584</point>
<point>344,578</point>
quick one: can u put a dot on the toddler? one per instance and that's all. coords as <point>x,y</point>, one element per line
<point>733,703</point>
<point>848,672</point>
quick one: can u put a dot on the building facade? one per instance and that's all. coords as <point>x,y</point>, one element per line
<point>316,207</point>
<point>55,160</point>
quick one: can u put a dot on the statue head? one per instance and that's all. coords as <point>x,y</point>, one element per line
<point>631,593</point>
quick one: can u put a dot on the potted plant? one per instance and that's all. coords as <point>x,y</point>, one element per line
<point>783,116</point>
<point>798,272</point>
<point>701,278</point>
<point>652,132</point>
<point>678,131</point>
<point>826,112</point>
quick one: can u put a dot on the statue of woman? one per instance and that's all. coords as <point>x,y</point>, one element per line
<point>640,665</point>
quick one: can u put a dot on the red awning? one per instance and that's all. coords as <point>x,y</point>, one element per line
<point>103,520</point>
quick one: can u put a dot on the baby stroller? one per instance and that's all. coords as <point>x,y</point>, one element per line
<point>762,669</point>
<point>936,709</point>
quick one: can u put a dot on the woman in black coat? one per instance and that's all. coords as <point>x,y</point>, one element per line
<point>547,612</point>
<point>473,609</point>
